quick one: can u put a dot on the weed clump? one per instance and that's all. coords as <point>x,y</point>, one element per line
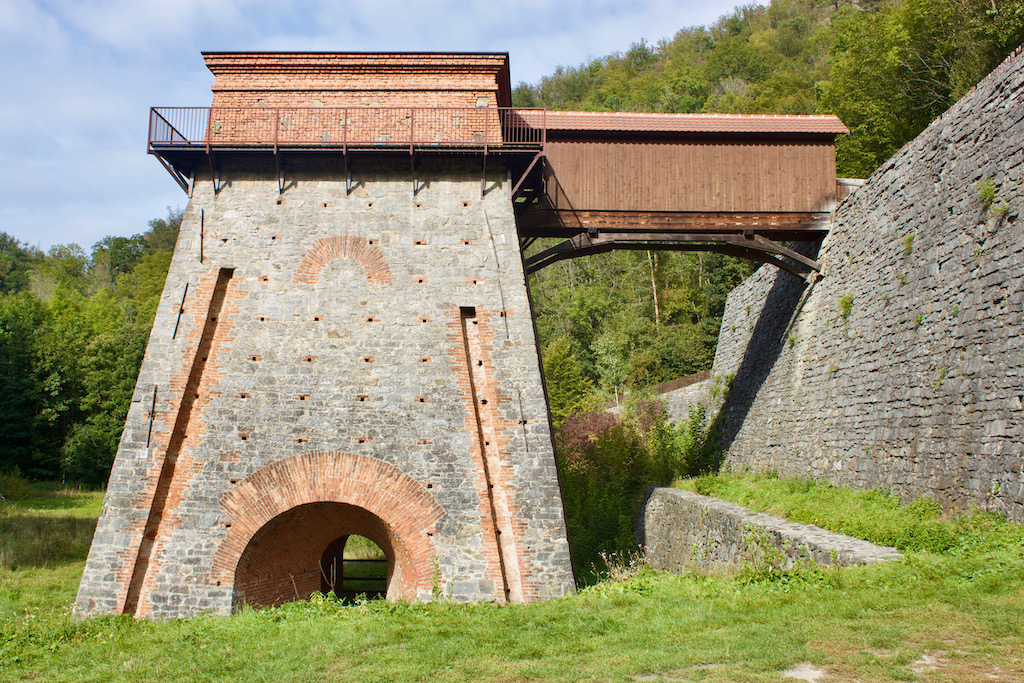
<point>987,191</point>
<point>846,305</point>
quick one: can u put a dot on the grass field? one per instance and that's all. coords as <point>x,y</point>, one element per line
<point>955,614</point>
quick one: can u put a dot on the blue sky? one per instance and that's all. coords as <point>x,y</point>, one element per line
<point>78,78</point>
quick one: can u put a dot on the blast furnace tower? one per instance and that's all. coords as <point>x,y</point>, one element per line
<point>344,345</point>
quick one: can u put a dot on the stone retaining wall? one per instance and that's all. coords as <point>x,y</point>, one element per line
<point>682,530</point>
<point>902,367</point>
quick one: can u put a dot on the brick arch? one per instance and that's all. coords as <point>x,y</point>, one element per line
<point>387,505</point>
<point>327,249</point>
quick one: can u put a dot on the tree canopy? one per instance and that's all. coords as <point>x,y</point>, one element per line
<point>73,330</point>
<point>886,68</point>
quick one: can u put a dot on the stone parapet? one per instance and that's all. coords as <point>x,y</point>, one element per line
<point>685,531</point>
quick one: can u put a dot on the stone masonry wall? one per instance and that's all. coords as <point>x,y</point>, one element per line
<point>679,402</point>
<point>368,354</point>
<point>681,530</point>
<point>902,367</point>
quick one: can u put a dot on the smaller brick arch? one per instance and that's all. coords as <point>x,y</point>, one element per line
<point>327,249</point>
<point>321,495</point>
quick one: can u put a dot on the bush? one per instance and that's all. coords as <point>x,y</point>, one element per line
<point>607,463</point>
<point>14,486</point>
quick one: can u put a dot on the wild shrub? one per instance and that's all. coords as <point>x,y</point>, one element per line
<point>13,485</point>
<point>603,463</point>
<point>606,464</point>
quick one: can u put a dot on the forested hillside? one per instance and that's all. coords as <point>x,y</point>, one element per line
<point>887,69</point>
<point>74,324</point>
<point>73,328</point>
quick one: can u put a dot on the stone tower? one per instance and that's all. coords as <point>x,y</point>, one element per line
<point>344,345</point>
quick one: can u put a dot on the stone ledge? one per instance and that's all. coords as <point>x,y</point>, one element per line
<point>682,530</point>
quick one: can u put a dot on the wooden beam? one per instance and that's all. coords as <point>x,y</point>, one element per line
<point>545,222</point>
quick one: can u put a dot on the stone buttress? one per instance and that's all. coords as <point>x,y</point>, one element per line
<point>353,355</point>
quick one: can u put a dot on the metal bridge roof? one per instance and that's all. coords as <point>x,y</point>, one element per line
<point>686,123</point>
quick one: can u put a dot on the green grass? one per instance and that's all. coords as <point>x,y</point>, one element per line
<point>362,548</point>
<point>45,532</point>
<point>962,606</point>
<point>47,528</point>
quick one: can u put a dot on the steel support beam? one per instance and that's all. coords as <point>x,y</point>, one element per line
<point>526,173</point>
<point>754,247</point>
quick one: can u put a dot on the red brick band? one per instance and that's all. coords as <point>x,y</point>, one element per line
<point>327,249</point>
<point>404,506</point>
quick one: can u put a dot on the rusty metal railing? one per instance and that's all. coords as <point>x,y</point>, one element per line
<point>438,128</point>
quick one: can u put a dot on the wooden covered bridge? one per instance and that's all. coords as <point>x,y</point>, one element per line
<point>737,184</point>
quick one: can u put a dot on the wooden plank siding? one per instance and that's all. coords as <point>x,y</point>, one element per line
<point>708,174</point>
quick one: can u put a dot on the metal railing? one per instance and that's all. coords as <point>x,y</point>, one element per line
<point>343,127</point>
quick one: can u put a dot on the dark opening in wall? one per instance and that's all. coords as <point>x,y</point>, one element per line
<point>318,547</point>
<point>354,566</point>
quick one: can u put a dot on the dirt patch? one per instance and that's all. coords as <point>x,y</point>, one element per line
<point>805,671</point>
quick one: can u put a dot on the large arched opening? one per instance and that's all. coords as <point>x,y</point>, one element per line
<point>282,520</point>
<point>301,551</point>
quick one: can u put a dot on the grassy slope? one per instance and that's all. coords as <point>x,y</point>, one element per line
<point>964,607</point>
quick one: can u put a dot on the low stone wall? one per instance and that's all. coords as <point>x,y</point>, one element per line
<point>679,395</point>
<point>682,530</point>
